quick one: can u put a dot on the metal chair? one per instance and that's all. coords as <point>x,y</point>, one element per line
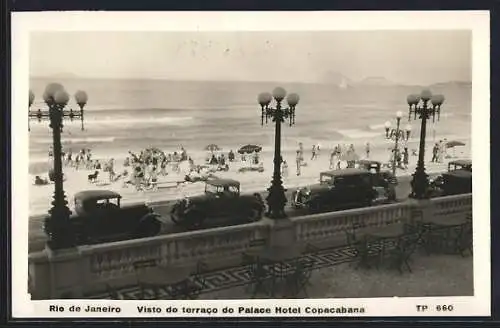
<point>197,283</point>
<point>464,240</point>
<point>400,257</point>
<point>145,265</point>
<point>257,273</point>
<point>112,293</point>
<point>300,278</point>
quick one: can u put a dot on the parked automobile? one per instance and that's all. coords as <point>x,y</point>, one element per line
<point>100,218</point>
<point>221,200</point>
<point>458,180</point>
<point>340,189</point>
<point>380,178</point>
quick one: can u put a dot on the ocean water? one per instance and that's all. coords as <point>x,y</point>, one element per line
<point>124,115</point>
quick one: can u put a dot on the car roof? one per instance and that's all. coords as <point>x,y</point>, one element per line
<point>344,172</point>
<point>223,182</point>
<point>459,174</point>
<point>368,161</point>
<point>461,162</point>
<point>96,194</point>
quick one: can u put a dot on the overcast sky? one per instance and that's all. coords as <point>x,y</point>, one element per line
<point>410,57</point>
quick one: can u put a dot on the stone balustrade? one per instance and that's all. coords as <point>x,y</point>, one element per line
<point>328,229</point>
<point>85,269</point>
<point>456,205</point>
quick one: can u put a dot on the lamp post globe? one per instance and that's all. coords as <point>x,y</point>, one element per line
<point>50,91</point>
<point>61,98</point>
<point>81,98</point>
<point>426,95</point>
<point>292,99</point>
<point>264,98</point>
<point>279,94</point>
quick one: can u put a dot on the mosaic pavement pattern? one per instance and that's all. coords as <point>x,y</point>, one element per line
<point>238,276</point>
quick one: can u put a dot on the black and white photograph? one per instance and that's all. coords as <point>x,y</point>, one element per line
<point>261,164</point>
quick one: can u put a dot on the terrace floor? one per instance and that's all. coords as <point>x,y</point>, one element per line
<point>335,277</point>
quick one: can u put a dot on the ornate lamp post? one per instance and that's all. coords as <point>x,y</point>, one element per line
<point>396,134</point>
<point>56,98</point>
<point>276,198</point>
<point>419,104</point>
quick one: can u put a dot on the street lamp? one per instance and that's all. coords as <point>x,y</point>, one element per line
<point>396,134</point>
<point>56,98</point>
<point>276,199</point>
<point>419,104</point>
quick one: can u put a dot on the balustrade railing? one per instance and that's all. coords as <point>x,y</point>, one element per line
<point>452,205</point>
<point>331,226</point>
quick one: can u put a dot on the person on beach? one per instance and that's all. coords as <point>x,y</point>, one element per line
<point>332,159</point>
<point>406,157</point>
<point>439,151</point>
<point>435,150</point>
<point>313,152</point>
<point>111,169</point>
<point>51,152</point>
<point>284,169</point>
<point>444,149</point>
<point>298,160</point>
<point>367,150</point>
<point>153,179</point>
<point>230,156</point>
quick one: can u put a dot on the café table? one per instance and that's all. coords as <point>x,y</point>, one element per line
<point>280,261</point>
<point>439,242</point>
<point>378,238</point>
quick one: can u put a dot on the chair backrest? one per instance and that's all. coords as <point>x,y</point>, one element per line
<point>201,267</point>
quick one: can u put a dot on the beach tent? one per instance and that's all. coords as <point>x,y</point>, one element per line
<point>213,147</point>
<point>248,149</point>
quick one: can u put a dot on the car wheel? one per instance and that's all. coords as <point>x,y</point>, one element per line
<point>314,207</point>
<point>148,227</point>
<point>194,219</point>
<point>255,214</point>
<point>175,214</point>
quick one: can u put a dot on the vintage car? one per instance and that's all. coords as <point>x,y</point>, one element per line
<point>100,218</point>
<point>458,180</point>
<point>222,200</point>
<point>340,189</point>
<point>381,179</point>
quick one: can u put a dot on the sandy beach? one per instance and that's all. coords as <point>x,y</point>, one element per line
<point>76,180</point>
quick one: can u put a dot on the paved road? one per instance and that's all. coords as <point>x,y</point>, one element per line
<point>37,237</point>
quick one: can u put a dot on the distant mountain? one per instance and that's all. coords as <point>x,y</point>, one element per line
<point>466,84</point>
<point>336,78</point>
<point>375,81</point>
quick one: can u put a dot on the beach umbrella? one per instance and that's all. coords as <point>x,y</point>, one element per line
<point>248,149</point>
<point>454,143</point>
<point>213,147</point>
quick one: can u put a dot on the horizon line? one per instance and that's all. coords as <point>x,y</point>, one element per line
<point>391,83</point>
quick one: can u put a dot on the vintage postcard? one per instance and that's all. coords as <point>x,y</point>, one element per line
<point>250,164</point>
